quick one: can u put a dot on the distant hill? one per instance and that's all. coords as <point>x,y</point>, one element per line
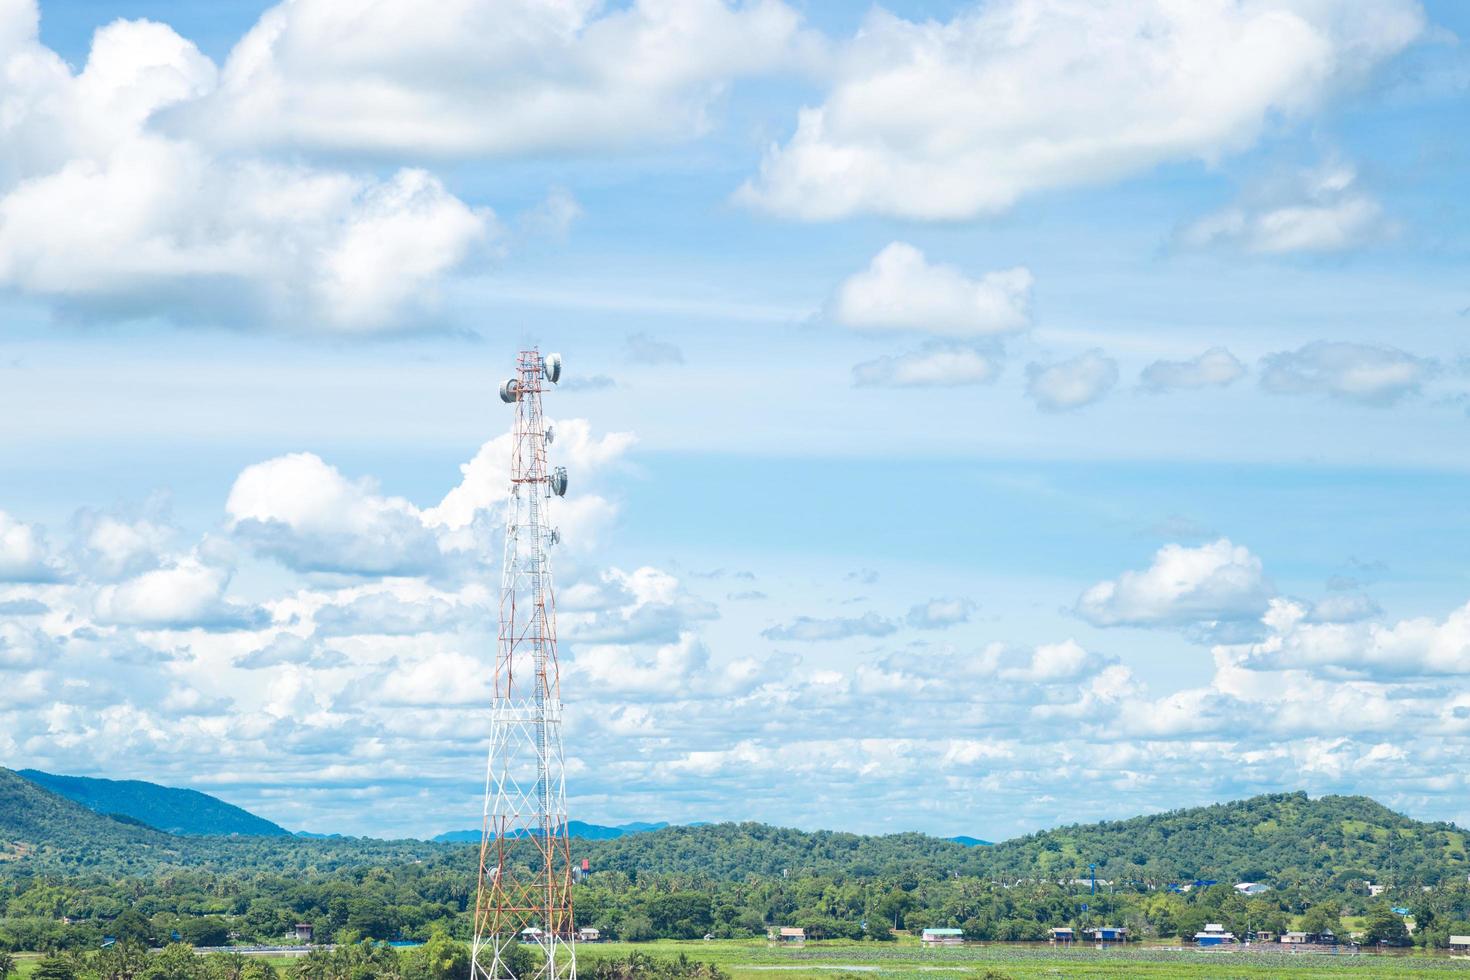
<point>575,828</point>
<point>39,827</point>
<point>174,811</point>
<point>970,841</point>
<point>1281,839</point>
<point>734,851</point>
<point>1275,839</point>
<point>43,832</point>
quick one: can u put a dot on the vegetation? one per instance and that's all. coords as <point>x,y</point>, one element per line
<point>176,811</point>
<point>75,877</point>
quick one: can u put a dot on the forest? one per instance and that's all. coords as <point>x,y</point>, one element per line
<point>72,879</point>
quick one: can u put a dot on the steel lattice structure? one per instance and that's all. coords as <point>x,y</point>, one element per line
<point>525,876</point>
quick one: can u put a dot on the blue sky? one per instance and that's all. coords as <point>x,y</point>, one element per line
<point>956,393</point>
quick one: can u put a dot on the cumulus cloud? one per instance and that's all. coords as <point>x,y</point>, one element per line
<point>644,606</point>
<point>679,669</point>
<point>1066,385</point>
<point>305,513</point>
<point>1215,368</point>
<point>186,594</point>
<point>925,119</point>
<point>110,546</point>
<point>24,555</point>
<point>478,78</point>
<point>935,365</point>
<point>1055,662</point>
<point>809,629</point>
<point>288,648</point>
<point>1362,373</point>
<point>901,290</point>
<point>1322,211</point>
<point>940,613</point>
<point>1219,581</point>
<point>174,229</point>
<point>387,614</point>
<point>1421,646</point>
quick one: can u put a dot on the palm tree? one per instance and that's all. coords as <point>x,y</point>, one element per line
<point>7,965</point>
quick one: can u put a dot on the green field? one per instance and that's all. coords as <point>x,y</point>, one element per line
<point>756,960</point>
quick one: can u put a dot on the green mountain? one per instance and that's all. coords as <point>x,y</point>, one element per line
<point>1279,838</point>
<point>1285,840</point>
<point>43,832</point>
<point>174,811</point>
<point>40,828</point>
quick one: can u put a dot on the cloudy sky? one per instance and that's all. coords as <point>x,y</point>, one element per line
<point>979,416</point>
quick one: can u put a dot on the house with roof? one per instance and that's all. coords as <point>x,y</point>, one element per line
<point>1214,934</point>
<point>942,937</point>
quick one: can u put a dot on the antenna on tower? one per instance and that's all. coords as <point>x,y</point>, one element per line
<point>524,891</point>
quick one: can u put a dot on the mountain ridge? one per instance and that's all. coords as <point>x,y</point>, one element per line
<point>165,808</point>
<point>1283,839</point>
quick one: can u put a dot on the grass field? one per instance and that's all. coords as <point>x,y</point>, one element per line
<point>828,961</point>
<point>755,960</point>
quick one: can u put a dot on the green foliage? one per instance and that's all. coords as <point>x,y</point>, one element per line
<point>641,966</point>
<point>1264,837</point>
<point>442,958</point>
<point>206,930</point>
<point>56,966</point>
<point>1386,927</point>
<point>7,965</point>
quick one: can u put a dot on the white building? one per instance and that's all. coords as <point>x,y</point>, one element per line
<point>1252,888</point>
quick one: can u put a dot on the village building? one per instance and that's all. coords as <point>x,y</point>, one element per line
<point>304,932</point>
<point>1104,935</point>
<point>942,937</point>
<point>1062,934</point>
<point>1214,934</point>
<point>1252,888</point>
<point>588,934</point>
<point>787,936</point>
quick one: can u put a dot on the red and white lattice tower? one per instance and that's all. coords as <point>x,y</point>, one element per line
<point>525,879</point>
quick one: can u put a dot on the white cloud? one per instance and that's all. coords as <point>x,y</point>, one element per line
<point>1321,212</point>
<point>188,593</point>
<point>901,290</point>
<point>809,629</point>
<point>176,230</point>
<point>24,556</point>
<point>1066,385</point>
<point>1363,373</point>
<point>485,478</point>
<point>305,513</point>
<point>951,119</point>
<point>1411,647</point>
<point>110,546</point>
<point>1053,662</point>
<point>940,613</point>
<point>288,648</point>
<point>1184,586</point>
<point>932,366</point>
<point>488,78</point>
<point>1215,368</point>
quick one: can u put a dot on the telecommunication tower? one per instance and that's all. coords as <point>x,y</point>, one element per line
<point>524,893</point>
